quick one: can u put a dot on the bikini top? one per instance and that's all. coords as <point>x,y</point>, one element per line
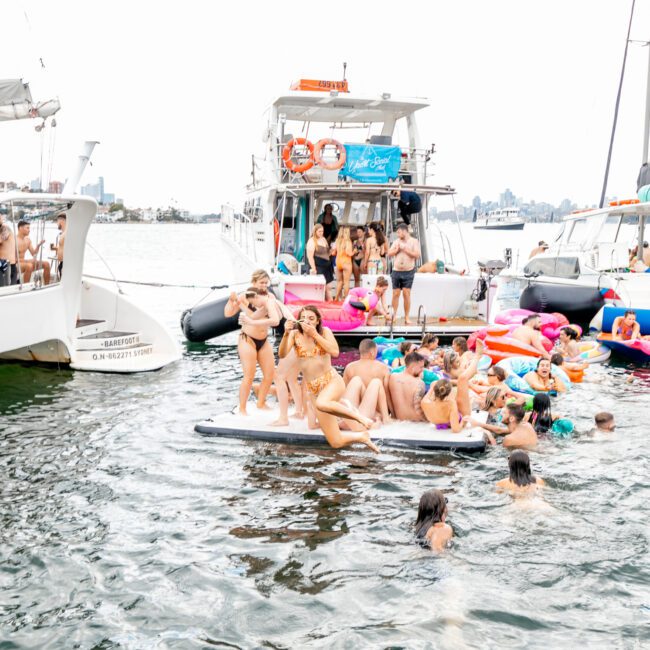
<point>304,353</point>
<point>625,332</point>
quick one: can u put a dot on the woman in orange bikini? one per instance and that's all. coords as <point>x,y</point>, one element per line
<point>258,312</point>
<point>344,253</point>
<point>315,345</point>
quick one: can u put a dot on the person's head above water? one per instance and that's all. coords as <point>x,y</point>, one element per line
<point>494,398</point>
<point>519,465</point>
<point>368,349</point>
<point>451,361</point>
<point>514,414</point>
<point>429,341</point>
<point>557,359</point>
<point>405,347</point>
<point>568,334</point>
<point>496,374</point>
<point>543,368</point>
<point>432,510</point>
<point>459,345</point>
<point>605,421</point>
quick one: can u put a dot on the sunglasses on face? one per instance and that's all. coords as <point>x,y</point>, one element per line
<point>491,374</point>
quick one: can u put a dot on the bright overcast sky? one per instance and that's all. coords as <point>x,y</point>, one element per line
<point>522,92</point>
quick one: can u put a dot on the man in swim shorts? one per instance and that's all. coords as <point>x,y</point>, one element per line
<point>407,389</point>
<point>406,250</point>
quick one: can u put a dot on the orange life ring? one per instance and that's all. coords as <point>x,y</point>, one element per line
<point>286,155</point>
<point>276,234</point>
<point>339,147</point>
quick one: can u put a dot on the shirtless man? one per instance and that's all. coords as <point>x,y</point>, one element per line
<point>406,250</point>
<point>61,222</point>
<point>380,309</point>
<point>407,389</point>
<point>530,332</point>
<point>368,368</point>
<point>521,433</point>
<point>27,267</point>
<point>8,252</point>
<point>541,247</point>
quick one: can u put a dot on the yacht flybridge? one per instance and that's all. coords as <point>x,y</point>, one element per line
<point>324,145</point>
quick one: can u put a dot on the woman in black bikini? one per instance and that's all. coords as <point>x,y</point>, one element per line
<point>318,256</point>
<point>258,313</point>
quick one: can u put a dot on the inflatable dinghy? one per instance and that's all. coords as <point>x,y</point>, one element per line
<point>410,435</point>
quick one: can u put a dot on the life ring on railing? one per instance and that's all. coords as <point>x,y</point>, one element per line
<point>320,145</point>
<point>286,155</point>
<point>276,235</point>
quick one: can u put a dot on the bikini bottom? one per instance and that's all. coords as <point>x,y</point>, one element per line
<point>315,386</point>
<point>258,343</point>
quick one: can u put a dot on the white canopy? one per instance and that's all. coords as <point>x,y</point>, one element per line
<point>16,102</point>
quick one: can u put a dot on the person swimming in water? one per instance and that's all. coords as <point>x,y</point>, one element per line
<point>604,422</point>
<point>431,527</point>
<point>521,481</point>
<point>540,416</point>
<point>567,344</point>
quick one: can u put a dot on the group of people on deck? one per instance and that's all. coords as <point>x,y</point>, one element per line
<point>15,266</point>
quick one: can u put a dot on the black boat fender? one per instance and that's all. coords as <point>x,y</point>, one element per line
<point>206,321</point>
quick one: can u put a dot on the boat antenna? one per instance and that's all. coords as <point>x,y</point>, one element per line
<point>618,101</point>
<point>345,65</point>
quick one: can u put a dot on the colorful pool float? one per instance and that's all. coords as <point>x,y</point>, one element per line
<point>518,367</point>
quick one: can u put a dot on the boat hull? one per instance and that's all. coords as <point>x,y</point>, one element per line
<point>577,303</point>
<point>509,226</point>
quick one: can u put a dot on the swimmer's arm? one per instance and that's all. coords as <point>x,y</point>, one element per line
<point>497,429</point>
<point>559,385</point>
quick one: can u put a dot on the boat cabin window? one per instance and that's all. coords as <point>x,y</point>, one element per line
<point>558,267</point>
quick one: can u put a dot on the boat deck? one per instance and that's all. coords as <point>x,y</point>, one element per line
<point>412,435</point>
<point>446,328</point>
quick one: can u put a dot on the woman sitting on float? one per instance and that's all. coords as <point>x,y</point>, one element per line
<point>541,379</point>
<point>315,346</point>
<point>445,407</point>
<point>567,343</point>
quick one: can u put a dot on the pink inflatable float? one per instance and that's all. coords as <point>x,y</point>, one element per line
<point>551,323</point>
<point>360,299</point>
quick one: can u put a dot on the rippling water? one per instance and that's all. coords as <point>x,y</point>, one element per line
<point>123,528</point>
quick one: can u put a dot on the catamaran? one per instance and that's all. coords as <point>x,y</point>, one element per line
<point>70,320</point>
<point>325,145</point>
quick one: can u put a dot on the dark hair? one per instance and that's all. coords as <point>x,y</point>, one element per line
<point>603,417</point>
<point>381,281</point>
<point>62,216</point>
<point>251,292</point>
<point>367,345</point>
<point>557,359</point>
<point>402,226</point>
<point>428,339</point>
<point>461,342</point>
<point>540,361</point>
<point>442,388</point>
<point>379,235</point>
<point>524,320</point>
<point>532,316</point>
<point>519,465</point>
<point>404,346</point>
<point>412,357</point>
<point>517,411</point>
<point>499,372</point>
<point>22,223</point>
<point>540,416</point>
<point>314,310</point>
<point>432,508</point>
<point>630,312</point>
<point>570,332</point>
<point>361,228</point>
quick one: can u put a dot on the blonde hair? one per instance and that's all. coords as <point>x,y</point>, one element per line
<point>258,275</point>
<point>313,232</point>
<point>492,396</point>
<point>343,240</point>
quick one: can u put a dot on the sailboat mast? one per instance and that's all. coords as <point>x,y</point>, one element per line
<point>646,130</point>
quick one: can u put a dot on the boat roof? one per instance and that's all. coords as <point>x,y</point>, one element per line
<point>613,210</point>
<point>342,107</point>
<point>361,191</point>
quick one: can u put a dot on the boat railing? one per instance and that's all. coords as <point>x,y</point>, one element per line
<point>445,244</point>
<point>239,227</point>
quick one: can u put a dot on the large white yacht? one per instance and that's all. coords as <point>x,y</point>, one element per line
<point>71,319</point>
<point>586,266</point>
<point>500,219</point>
<point>322,144</point>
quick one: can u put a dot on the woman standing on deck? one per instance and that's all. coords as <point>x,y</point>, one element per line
<point>375,244</point>
<point>344,253</point>
<point>315,346</point>
<point>258,312</point>
<point>318,256</point>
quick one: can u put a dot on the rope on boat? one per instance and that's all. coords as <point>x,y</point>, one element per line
<point>162,284</point>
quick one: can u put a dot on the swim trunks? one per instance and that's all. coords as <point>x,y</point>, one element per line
<point>402,279</point>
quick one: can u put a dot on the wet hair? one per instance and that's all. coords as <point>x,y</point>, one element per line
<point>629,312</point>
<point>460,342</point>
<point>499,373</point>
<point>258,275</point>
<point>367,345</point>
<point>22,223</point>
<point>448,360</point>
<point>570,332</point>
<point>442,388</point>
<point>405,346</point>
<point>314,310</point>
<point>524,320</point>
<point>413,357</point>
<point>381,281</point>
<point>428,339</point>
<point>540,416</point>
<point>432,508</point>
<point>517,411</point>
<point>603,417</point>
<point>556,359</point>
<point>492,396</point>
<point>519,465</point>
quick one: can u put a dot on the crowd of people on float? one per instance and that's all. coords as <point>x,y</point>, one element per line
<point>16,266</point>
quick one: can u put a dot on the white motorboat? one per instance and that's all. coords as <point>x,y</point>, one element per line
<point>71,320</point>
<point>586,266</point>
<point>500,219</point>
<point>295,178</point>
